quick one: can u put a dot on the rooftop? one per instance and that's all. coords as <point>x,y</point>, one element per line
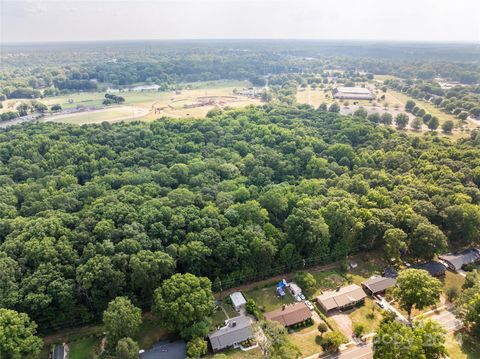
<point>379,284</point>
<point>459,259</point>
<point>342,297</point>
<point>236,330</point>
<point>435,269</point>
<point>237,299</point>
<point>290,314</point>
<point>354,90</point>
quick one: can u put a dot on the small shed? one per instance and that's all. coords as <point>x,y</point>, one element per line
<point>238,300</point>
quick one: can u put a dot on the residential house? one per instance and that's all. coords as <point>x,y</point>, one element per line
<point>435,269</point>
<point>290,315</point>
<point>342,298</point>
<point>353,93</point>
<point>457,261</point>
<point>376,285</point>
<point>235,331</point>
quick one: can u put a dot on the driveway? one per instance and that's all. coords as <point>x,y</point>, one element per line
<point>343,321</point>
<point>448,320</point>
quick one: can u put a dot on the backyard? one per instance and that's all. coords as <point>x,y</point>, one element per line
<point>267,298</point>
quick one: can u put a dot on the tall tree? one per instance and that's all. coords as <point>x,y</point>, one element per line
<point>121,319</point>
<point>17,335</point>
<point>416,288</point>
<point>185,304</point>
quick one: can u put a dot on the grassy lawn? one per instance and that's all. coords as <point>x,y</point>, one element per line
<point>238,354</point>
<point>452,280</point>
<point>307,340</point>
<point>150,332</point>
<point>369,315</point>
<point>267,298</point>
<point>139,104</point>
<point>84,348</point>
<point>109,114</point>
<point>461,346</point>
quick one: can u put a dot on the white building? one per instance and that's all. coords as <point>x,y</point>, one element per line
<point>238,300</point>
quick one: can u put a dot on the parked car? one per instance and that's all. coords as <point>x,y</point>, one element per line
<point>297,298</point>
<point>302,297</point>
<point>309,305</point>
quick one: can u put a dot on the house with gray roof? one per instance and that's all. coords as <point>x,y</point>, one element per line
<point>457,261</point>
<point>342,298</point>
<point>235,331</point>
<point>378,284</point>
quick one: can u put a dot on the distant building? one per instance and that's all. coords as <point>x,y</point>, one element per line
<point>352,93</point>
<point>435,269</point>
<point>378,284</point>
<point>238,300</point>
<point>342,298</point>
<point>457,261</point>
<point>235,331</point>
<point>290,315</point>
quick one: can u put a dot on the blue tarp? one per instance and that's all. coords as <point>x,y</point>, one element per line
<point>280,291</point>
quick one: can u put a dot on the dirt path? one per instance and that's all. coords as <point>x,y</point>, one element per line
<point>288,275</point>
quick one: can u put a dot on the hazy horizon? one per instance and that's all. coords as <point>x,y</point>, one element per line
<point>39,21</point>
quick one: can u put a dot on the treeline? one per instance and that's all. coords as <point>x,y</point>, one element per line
<point>93,212</point>
<point>31,72</point>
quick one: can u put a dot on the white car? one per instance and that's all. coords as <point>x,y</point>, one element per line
<point>309,305</point>
<point>297,298</point>
<point>302,297</point>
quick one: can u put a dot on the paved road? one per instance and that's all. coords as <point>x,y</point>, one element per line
<point>360,352</point>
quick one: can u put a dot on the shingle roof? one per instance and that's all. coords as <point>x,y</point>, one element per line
<point>235,331</point>
<point>379,284</point>
<point>342,297</point>
<point>458,260</point>
<point>290,315</point>
<point>433,268</point>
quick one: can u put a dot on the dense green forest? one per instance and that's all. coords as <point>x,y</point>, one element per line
<point>93,212</point>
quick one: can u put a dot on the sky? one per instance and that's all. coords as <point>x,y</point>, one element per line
<point>91,20</point>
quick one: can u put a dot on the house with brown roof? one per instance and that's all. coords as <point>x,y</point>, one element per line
<point>378,284</point>
<point>342,298</point>
<point>290,315</point>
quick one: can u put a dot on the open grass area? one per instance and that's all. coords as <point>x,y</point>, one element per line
<point>239,354</point>
<point>149,105</point>
<point>267,298</point>
<point>462,346</point>
<point>307,340</point>
<point>452,280</point>
<point>369,315</point>
<point>84,348</point>
<point>117,113</point>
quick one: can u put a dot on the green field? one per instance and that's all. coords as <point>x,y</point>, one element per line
<point>147,105</point>
<point>267,298</point>
<point>110,114</point>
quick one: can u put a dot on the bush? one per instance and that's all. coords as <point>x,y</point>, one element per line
<point>358,329</point>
